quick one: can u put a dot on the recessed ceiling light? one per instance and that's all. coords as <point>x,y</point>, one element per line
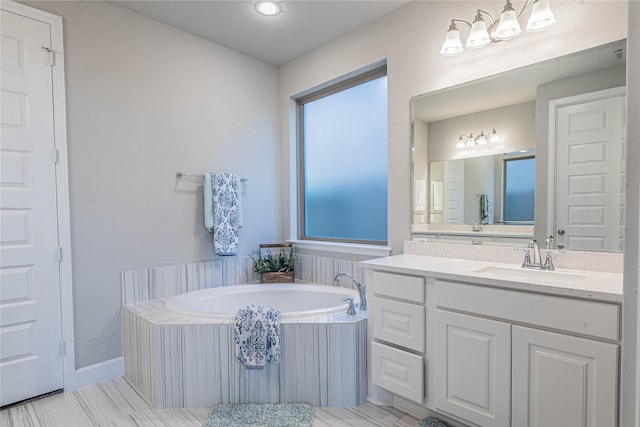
<point>268,7</point>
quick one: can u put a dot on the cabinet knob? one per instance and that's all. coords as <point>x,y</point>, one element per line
<point>561,232</point>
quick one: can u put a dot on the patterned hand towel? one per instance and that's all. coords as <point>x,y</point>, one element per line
<point>257,336</point>
<point>225,189</point>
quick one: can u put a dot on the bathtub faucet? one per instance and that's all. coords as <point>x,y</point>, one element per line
<point>361,288</point>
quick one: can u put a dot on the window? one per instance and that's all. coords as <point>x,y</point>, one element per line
<point>343,161</point>
<point>519,189</point>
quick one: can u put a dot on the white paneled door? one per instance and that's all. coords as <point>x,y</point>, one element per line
<point>454,192</point>
<point>589,198</point>
<point>30,316</point>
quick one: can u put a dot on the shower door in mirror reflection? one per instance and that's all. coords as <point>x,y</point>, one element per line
<point>589,148</point>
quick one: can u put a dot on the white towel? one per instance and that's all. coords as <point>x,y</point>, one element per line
<point>225,189</point>
<point>208,201</point>
<point>257,336</point>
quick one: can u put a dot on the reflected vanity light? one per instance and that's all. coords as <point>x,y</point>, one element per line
<point>471,141</point>
<point>494,138</point>
<point>506,28</point>
<point>481,139</point>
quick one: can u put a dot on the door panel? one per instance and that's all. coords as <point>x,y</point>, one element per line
<point>590,174</point>
<point>30,324</point>
<point>454,192</point>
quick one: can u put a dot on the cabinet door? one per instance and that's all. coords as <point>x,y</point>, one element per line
<point>560,380</point>
<point>473,368</point>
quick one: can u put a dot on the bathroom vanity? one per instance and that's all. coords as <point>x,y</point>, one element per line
<point>492,344</point>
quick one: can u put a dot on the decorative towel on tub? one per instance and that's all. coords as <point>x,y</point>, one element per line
<point>257,336</point>
<point>225,188</point>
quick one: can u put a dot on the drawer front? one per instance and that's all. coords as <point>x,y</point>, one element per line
<point>409,288</point>
<point>582,317</point>
<point>399,372</point>
<point>399,323</point>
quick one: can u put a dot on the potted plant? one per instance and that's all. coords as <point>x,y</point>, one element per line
<point>276,268</point>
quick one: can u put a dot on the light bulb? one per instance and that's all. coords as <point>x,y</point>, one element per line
<point>452,44</point>
<point>471,142</point>
<point>268,8</point>
<point>494,138</point>
<point>541,16</point>
<point>479,36</point>
<point>481,139</point>
<point>508,27</point>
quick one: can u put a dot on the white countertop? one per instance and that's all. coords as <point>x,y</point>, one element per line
<point>591,285</point>
<point>488,230</point>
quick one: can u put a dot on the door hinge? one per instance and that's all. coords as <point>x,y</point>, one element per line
<point>63,348</point>
<point>55,156</point>
<point>52,59</point>
<point>59,253</point>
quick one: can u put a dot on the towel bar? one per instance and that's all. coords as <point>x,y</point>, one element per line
<point>182,174</point>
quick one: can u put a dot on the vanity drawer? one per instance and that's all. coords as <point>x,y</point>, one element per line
<point>410,288</point>
<point>399,323</point>
<point>398,371</point>
<point>582,317</point>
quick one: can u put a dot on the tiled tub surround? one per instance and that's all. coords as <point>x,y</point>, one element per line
<point>182,361</point>
<point>159,282</point>
<point>187,362</point>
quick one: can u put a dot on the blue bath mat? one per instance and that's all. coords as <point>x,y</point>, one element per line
<point>261,415</point>
<point>432,422</point>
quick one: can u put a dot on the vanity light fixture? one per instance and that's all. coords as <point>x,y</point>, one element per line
<point>482,139</point>
<point>268,7</point>
<point>506,28</point>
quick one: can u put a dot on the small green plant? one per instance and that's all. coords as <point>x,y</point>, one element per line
<point>281,262</point>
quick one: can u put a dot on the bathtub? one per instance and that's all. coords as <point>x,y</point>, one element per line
<point>179,351</point>
<point>295,301</point>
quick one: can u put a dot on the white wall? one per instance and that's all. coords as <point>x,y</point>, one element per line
<point>410,39</point>
<point>630,396</point>
<point>144,101</point>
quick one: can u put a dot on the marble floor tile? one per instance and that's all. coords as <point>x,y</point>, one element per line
<point>115,403</point>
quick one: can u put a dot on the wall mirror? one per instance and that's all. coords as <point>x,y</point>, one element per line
<point>539,149</point>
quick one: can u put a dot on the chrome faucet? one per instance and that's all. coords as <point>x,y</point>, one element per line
<point>476,227</point>
<point>361,288</point>
<point>537,258</point>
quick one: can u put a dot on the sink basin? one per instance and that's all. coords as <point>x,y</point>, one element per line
<point>530,274</point>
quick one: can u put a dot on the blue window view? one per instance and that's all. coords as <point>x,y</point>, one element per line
<point>519,188</point>
<point>345,164</point>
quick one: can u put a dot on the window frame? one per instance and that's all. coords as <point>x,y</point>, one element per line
<point>504,189</point>
<point>323,91</point>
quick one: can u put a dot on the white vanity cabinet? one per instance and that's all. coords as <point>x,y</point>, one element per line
<point>505,357</point>
<point>398,315</point>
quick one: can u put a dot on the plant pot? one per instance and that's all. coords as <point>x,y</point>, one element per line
<point>277,277</point>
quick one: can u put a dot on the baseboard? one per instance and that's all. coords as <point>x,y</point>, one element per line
<point>99,372</point>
